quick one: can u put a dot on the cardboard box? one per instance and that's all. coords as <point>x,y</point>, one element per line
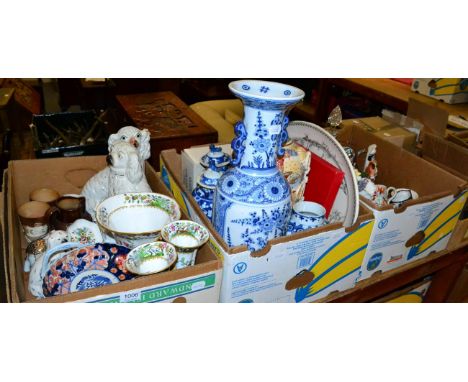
<point>420,227</point>
<point>450,90</point>
<point>398,136</point>
<point>192,169</point>
<point>200,283</point>
<point>452,158</point>
<point>414,293</point>
<point>302,267</point>
<point>460,138</point>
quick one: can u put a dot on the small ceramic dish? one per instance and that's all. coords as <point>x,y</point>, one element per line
<point>151,258</point>
<point>87,267</point>
<point>136,218</point>
<point>85,232</point>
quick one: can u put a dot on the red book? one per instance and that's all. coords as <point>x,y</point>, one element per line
<point>323,183</point>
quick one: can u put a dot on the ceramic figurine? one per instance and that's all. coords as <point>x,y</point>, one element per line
<point>204,191</point>
<point>138,138</point>
<point>124,174</point>
<point>295,166</point>
<point>252,201</point>
<point>370,164</point>
<point>186,236</point>
<point>217,157</point>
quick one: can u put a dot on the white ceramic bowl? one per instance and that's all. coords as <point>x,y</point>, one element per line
<point>151,258</point>
<point>136,218</point>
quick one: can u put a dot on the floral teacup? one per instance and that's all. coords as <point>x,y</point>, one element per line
<point>151,258</point>
<point>186,236</point>
<point>306,215</point>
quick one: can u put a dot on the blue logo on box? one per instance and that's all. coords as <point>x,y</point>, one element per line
<point>374,261</point>
<point>383,223</point>
<point>240,268</point>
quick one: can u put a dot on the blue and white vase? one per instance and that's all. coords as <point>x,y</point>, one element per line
<point>252,201</point>
<point>203,193</point>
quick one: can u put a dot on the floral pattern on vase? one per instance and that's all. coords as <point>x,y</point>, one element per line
<point>252,201</point>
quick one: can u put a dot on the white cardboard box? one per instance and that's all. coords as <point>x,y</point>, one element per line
<point>389,245</point>
<point>302,267</point>
<point>420,227</point>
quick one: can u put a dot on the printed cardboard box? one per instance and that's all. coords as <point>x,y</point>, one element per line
<point>454,159</point>
<point>450,90</point>
<point>302,267</point>
<point>414,293</point>
<point>200,283</point>
<point>420,227</point>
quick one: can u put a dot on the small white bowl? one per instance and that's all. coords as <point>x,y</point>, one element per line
<point>151,258</point>
<point>136,218</point>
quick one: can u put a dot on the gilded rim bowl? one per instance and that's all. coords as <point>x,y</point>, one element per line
<point>136,218</point>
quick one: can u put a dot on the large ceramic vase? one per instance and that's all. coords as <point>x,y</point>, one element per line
<point>252,201</point>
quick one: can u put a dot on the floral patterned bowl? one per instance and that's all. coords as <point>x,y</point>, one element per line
<point>136,218</point>
<point>84,268</point>
<point>151,258</point>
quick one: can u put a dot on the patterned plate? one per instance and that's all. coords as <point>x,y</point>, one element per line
<point>319,142</point>
<point>84,268</point>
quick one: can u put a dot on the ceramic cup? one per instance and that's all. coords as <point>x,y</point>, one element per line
<point>46,195</point>
<point>306,215</point>
<point>34,217</point>
<point>398,196</point>
<point>150,258</point>
<point>186,236</point>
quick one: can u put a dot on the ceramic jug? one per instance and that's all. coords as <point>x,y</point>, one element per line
<point>67,210</point>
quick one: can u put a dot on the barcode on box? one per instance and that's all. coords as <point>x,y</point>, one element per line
<point>304,261</point>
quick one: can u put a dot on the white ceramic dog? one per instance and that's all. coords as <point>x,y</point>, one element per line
<point>138,138</point>
<point>125,173</point>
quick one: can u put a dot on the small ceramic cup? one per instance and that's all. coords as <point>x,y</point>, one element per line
<point>186,236</point>
<point>398,196</point>
<point>46,195</point>
<point>306,215</point>
<point>34,217</point>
